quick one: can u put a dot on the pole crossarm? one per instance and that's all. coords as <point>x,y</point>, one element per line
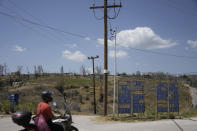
<point>111,6</point>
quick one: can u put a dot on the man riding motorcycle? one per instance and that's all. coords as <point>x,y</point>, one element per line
<point>45,109</point>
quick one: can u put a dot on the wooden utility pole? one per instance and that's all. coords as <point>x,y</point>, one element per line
<point>105,49</point>
<point>94,80</point>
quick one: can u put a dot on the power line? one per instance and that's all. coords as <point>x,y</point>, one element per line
<point>114,9</point>
<point>35,18</point>
<point>44,26</point>
<point>29,27</point>
<point>112,6</point>
<point>174,5</point>
<point>98,18</point>
<point>165,54</point>
<point>84,37</point>
<point>23,10</point>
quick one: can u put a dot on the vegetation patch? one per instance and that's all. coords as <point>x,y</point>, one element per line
<point>79,90</point>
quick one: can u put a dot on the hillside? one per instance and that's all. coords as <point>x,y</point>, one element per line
<point>79,90</point>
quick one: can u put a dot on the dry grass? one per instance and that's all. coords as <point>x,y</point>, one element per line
<point>82,86</point>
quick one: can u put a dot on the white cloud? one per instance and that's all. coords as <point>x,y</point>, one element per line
<point>192,44</point>
<point>101,41</point>
<point>71,45</point>
<point>88,38</point>
<point>19,48</point>
<point>75,56</point>
<point>89,70</point>
<point>141,38</point>
<point>119,54</point>
<point>187,48</point>
<point>137,64</point>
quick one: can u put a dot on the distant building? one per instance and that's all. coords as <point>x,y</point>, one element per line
<point>147,75</point>
<point>14,73</point>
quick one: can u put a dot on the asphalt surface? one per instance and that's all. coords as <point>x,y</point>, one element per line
<point>84,123</point>
<point>87,123</point>
<point>6,124</point>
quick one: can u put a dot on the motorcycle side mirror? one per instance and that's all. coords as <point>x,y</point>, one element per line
<point>54,104</point>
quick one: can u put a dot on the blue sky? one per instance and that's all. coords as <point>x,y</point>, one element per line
<point>149,31</point>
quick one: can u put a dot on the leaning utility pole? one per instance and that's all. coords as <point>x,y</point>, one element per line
<point>105,49</point>
<point>94,80</point>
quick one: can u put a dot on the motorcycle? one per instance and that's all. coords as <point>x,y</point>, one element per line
<point>66,120</point>
<point>23,118</point>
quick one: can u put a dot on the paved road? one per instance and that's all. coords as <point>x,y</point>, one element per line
<point>85,123</point>
<point>6,124</point>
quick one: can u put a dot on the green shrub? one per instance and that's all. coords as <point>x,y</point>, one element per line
<point>164,117</point>
<point>86,87</point>
<point>171,116</point>
<point>60,86</point>
<point>101,98</point>
<point>2,84</point>
<point>75,93</point>
<point>29,106</point>
<point>75,87</point>
<point>87,97</point>
<point>92,103</point>
<point>5,106</point>
<point>80,99</point>
<point>76,108</point>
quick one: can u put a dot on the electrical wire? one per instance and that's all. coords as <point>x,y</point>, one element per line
<point>114,17</point>
<point>44,35</point>
<point>29,27</point>
<point>35,18</point>
<point>101,18</point>
<point>95,12</point>
<point>165,54</point>
<point>115,13</point>
<point>81,36</point>
<point>169,2</point>
<point>23,10</point>
<point>44,26</point>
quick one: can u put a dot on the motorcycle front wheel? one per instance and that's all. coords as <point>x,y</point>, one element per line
<point>72,128</point>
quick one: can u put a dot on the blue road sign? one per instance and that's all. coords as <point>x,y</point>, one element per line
<point>138,83</point>
<point>138,98</point>
<point>14,98</point>
<point>162,109</point>
<point>162,97</point>
<point>138,103</point>
<point>174,98</point>
<point>124,100</point>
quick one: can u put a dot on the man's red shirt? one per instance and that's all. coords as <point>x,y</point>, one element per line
<point>45,110</point>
